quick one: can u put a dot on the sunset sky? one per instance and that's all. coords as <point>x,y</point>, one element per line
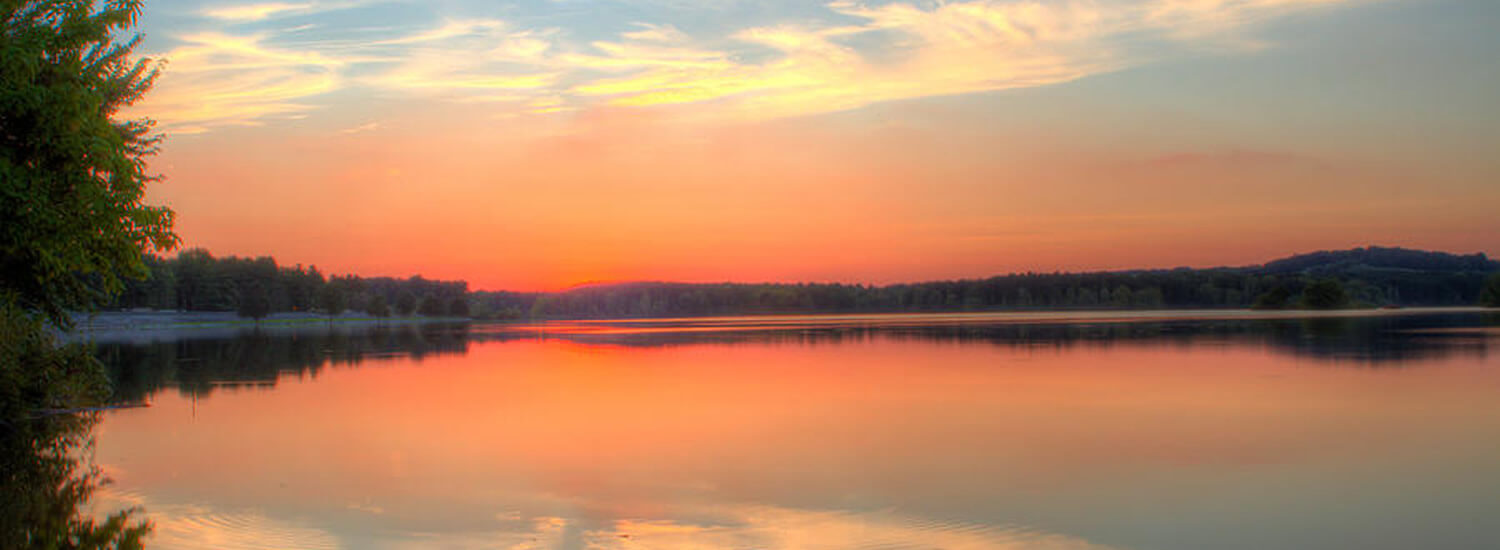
<point>536,144</point>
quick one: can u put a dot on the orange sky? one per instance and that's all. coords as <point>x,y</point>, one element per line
<point>1137,135</point>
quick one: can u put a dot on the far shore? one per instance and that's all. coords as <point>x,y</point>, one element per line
<point>168,325</point>
<point>152,324</point>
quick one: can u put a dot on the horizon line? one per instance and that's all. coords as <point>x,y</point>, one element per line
<point>621,282</point>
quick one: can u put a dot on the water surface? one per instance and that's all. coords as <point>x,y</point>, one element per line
<point>1179,430</point>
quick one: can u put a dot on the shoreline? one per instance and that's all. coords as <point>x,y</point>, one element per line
<point>115,326</point>
<point>157,325</point>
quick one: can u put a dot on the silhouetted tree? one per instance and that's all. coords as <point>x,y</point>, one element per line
<point>1489,296</point>
<point>458,307</point>
<point>406,304</point>
<point>255,303</point>
<point>1276,298</point>
<point>431,306</point>
<point>1324,294</point>
<point>378,307</point>
<point>331,301</point>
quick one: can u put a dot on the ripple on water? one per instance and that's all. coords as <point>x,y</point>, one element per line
<point>781,528</point>
<point>191,528</point>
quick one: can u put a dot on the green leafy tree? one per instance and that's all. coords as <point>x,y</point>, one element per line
<point>1324,294</point>
<point>72,177</point>
<point>1489,296</point>
<point>73,227</point>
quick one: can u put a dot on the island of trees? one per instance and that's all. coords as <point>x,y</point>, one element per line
<point>195,280</point>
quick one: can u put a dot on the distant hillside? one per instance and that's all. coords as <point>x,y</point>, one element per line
<point>1361,277</point>
<point>1380,258</point>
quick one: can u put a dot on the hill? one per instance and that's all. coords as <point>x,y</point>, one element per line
<point>1377,258</point>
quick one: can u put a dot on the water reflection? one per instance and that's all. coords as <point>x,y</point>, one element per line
<point>1160,434</point>
<point>197,364</point>
<point>46,483</point>
<point>1374,340</point>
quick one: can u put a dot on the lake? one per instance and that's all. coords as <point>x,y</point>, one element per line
<point>1163,430</point>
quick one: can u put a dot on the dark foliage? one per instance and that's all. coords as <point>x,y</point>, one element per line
<point>44,483</point>
<point>255,303</point>
<point>406,303</point>
<point>432,306</point>
<point>72,179</point>
<point>73,226</point>
<point>331,300</point>
<point>1377,257</point>
<point>256,358</point>
<point>1490,295</point>
<point>195,280</point>
<point>1276,298</point>
<point>1324,294</point>
<point>458,307</point>
<point>378,307</point>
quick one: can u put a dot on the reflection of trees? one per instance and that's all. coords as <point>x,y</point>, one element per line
<point>45,484</point>
<point>1365,340</point>
<point>196,366</point>
<point>1380,340</point>
<point>257,357</point>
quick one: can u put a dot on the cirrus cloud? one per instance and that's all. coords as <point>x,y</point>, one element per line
<point>859,54</point>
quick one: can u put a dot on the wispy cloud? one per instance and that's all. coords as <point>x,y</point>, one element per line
<point>450,29</point>
<point>253,12</point>
<point>366,127</point>
<point>221,80</point>
<point>942,49</point>
<point>858,55</point>
<point>462,59</point>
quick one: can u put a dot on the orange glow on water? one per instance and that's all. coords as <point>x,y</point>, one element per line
<point>620,435</point>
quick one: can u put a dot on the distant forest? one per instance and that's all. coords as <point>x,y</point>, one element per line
<point>1363,277</point>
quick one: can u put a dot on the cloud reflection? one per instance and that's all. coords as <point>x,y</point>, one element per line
<point>775,528</point>
<point>186,526</point>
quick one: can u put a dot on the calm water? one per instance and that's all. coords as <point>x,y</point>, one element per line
<point>1056,431</point>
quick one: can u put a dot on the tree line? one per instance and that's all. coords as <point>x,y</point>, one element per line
<point>1174,289</point>
<point>195,280</point>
